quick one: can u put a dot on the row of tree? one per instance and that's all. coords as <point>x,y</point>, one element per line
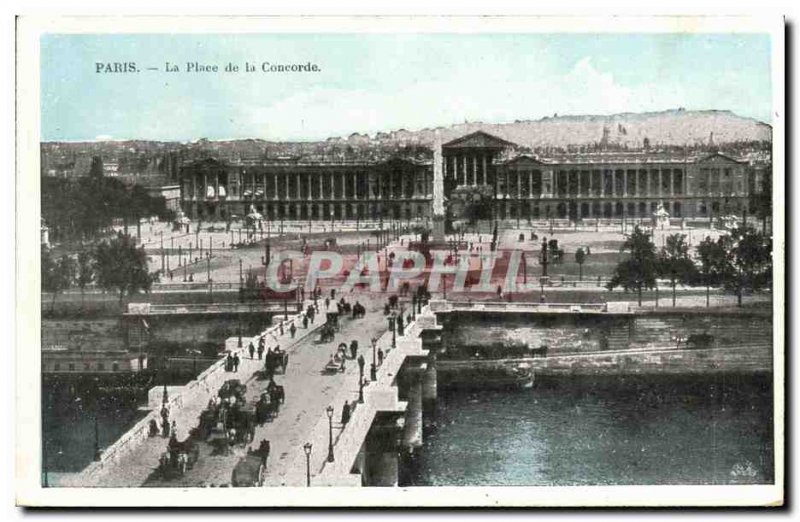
<point>738,262</point>
<point>80,208</point>
<point>114,265</point>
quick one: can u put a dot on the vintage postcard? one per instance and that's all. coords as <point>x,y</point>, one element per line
<point>366,261</point>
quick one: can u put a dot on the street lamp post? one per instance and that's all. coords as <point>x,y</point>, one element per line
<point>208,276</point>
<point>524,270</point>
<point>392,325</point>
<point>329,412</point>
<point>307,450</point>
<point>96,439</point>
<point>373,369</point>
<point>545,261</point>
<point>241,281</point>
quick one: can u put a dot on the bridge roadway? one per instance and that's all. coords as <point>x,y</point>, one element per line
<point>308,392</point>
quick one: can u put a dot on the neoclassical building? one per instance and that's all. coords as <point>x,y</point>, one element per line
<point>577,186</point>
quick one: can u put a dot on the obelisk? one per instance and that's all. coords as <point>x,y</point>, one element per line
<point>438,190</point>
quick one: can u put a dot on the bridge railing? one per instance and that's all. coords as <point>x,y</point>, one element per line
<point>220,307</point>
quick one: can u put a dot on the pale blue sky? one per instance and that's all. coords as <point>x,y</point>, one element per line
<point>370,83</point>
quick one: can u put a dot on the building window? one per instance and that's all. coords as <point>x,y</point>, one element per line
<point>87,366</point>
<point>56,367</point>
<point>115,367</point>
<point>101,366</point>
<point>72,367</point>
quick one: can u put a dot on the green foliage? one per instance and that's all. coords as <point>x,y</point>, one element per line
<point>710,256</point>
<point>84,207</point>
<point>747,265</point>
<point>120,266</point>
<point>638,271</point>
<point>57,274</point>
<point>674,262</point>
<point>85,269</point>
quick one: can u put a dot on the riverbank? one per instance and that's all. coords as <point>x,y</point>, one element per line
<point>674,361</point>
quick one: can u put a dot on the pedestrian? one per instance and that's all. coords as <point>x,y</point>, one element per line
<point>292,330</point>
<point>280,327</point>
<point>361,364</point>
<point>251,349</point>
<point>229,363</point>
<point>327,303</point>
<point>345,413</point>
<point>260,351</point>
<point>236,362</point>
<point>380,356</point>
<point>353,348</point>
<point>305,322</point>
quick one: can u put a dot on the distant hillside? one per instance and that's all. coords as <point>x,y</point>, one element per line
<point>629,130</point>
<point>698,130</point>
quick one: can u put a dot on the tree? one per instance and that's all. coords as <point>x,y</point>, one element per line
<point>85,272</point>
<point>674,262</point>
<point>580,258</point>
<point>57,275</point>
<point>711,257</point>
<point>121,267</point>
<point>638,271</point>
<point>748,262</point>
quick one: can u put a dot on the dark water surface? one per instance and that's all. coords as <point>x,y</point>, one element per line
<point>710,429</point>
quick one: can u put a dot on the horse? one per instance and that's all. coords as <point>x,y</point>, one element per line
<point>277,394</point>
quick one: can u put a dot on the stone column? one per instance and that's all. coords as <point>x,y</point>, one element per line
<point>474,170</point>
<point>412,432</point>
<point>381,457</point>
<point>429,386</point>
<point>485,170</point>
<point>660,185</point>
<point>613,182</point>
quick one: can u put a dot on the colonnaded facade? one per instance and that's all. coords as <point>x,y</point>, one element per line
<point>521,186</point>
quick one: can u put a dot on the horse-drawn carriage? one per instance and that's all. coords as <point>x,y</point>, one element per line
<point>230,420</point>
<point>232,388</point>
<point>326,333</point>
<point>179,457</point>
<point>337,362</point>
<point>275,362</point>
<point>251,470</point>
<point>332,320</point>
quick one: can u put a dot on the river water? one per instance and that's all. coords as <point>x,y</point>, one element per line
<point>647,430</point>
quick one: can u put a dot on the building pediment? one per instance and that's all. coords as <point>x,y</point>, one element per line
<point>524,160</point>
<point>478,140</point>
<point>717,158</point>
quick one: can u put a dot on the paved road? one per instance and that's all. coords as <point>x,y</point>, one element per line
<point>308,392</point>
